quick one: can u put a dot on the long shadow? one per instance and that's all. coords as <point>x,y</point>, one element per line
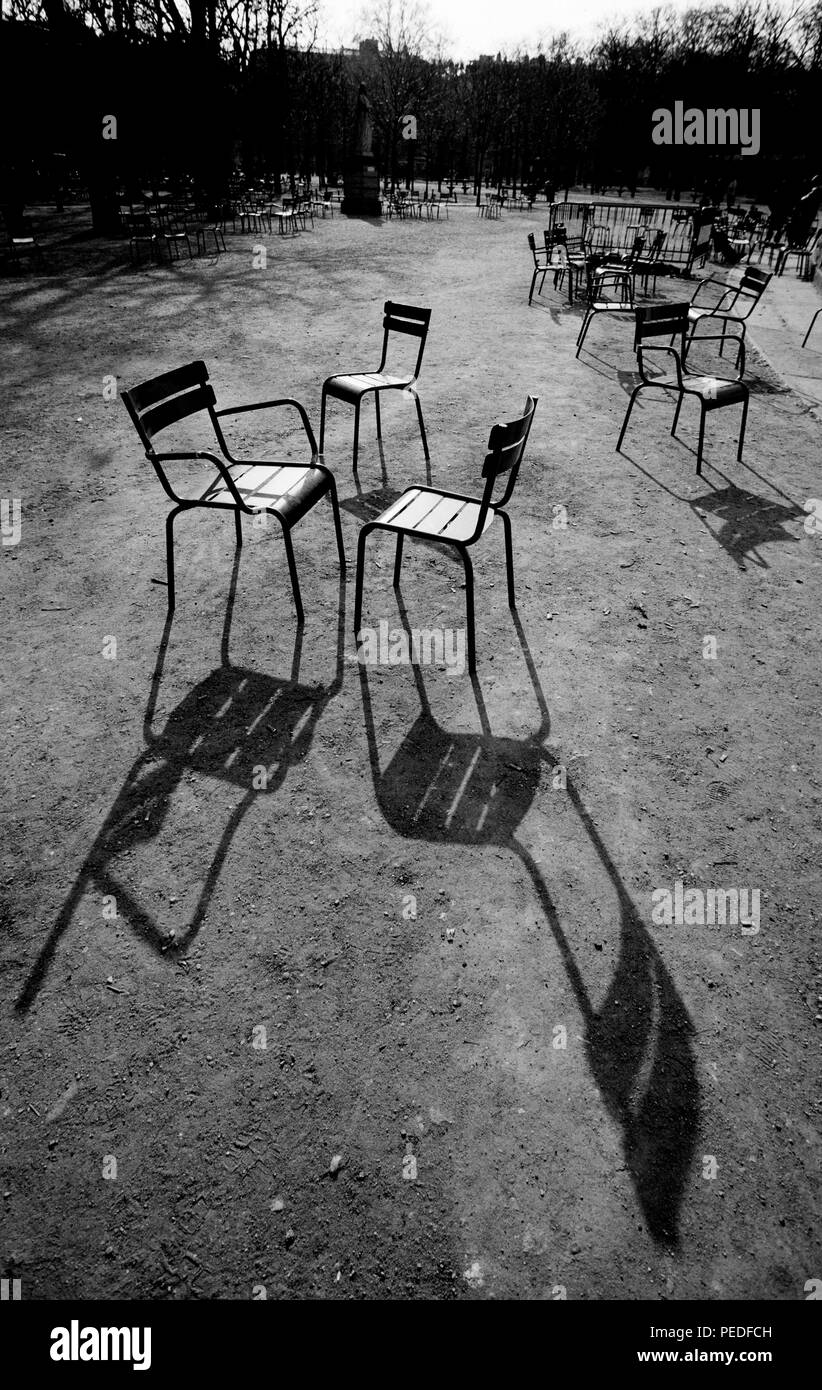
<point>744,521</point>
<point>476,789</point>
<point>230,725</point>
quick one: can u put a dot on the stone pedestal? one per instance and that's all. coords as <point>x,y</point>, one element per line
<point>361,187</point>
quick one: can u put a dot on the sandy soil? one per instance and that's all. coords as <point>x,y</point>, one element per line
<point>265,1001</point>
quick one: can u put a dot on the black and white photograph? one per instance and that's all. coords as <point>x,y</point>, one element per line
<point>412,572</point>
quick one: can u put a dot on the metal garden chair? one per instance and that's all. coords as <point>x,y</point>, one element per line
<point>736,302</point>
<point>244,487</point>
<point>712,392</point>
<point>397,319</point>
<point>542,264</point>
<point>454,519</point>
<point>611,292</point>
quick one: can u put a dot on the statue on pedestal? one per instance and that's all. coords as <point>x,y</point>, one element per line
<point>362,187</point>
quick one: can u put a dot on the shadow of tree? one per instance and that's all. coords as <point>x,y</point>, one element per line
<point>476,789</point>
<point>231,725</point>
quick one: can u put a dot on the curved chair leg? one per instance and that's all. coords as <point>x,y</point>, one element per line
<point>469,610</point>
<point>810,326</point>
<point>322,420</point>
<point>398,559</point>
<point>509,558</point>
<point>335,508</point>
<point>702,413</point>
<point>377,409</point>
<point>356,433</point>
<point>676,412</point>
<point>170,519</point>
<point>745,404</point>
<point>423,435</point>
<point>533,282</point>
<point>363,537</point>
<point>634,395</point>
<point>295,582</point>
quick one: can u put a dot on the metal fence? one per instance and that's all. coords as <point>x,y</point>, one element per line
<point>685,232</point>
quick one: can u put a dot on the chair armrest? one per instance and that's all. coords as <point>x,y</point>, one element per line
<point>671,352</point>
<point>269,405</point>
<point>727,290</point>
<point>218,464</point>
<point>718,338</point>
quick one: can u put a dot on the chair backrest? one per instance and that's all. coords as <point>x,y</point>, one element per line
<point>166,399</point>
<point>662,321</point>
<point>754,282</point>
<point>506,446</point>
<point>533,245</point>
<point>405,318</point>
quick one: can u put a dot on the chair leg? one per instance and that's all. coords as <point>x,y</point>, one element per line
<point>356,433</point>
<point>701,438</point>
<point>170,556</point>
<point>583,332</point>
<point>360,575</point>
<point>469,609</point>
<point>745,404</point>
<point>722,337</point>
<point>509,559</point>
<point>423,435</point>
<point>292,566</point>
<point>398,559</point>
<point>238,529</point>
<point>322,420</point>
<point>533,282</point>
<point>810,326</point>
<point>377,409</point>
<point>335,508</point>
<point>634,395</point>
<point>676,412</point>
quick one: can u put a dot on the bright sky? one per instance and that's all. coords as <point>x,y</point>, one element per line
<point>471,27</point>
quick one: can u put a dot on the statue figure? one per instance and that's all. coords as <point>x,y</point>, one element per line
<point>363,123</point>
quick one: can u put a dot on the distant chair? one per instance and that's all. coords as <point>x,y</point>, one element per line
<point>804,254</point>
<point>671,321</point>
<point>542,264</point>
<point>143,231</point>
<point>19,243</point>
<point>450,518</point>
<point>611,293</point>
<point>736,302</point>
<point>647,264</point>
<point>288,491</point>
<point>403,319</point>
<point>572,258</point>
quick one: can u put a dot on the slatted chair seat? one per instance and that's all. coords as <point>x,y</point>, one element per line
<point>349,387</point>
<point>448,517</point>
<point>398,319</point>
<point>245,487</point>
<point>443,515</point>
<point>290,490</point>
<point>713,392</point>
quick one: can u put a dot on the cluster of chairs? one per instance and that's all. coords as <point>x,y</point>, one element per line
<point>288,490</point>
<point>409,204</point>
<point>715,303</point>
<point>164,227</point>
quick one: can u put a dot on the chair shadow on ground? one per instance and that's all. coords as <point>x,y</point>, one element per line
<point>743,521</point>
<point>230,724</point>
<point>460,789</point>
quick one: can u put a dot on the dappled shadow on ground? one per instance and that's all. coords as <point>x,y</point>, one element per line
<point>233,726</point>
<point>476,789</point>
